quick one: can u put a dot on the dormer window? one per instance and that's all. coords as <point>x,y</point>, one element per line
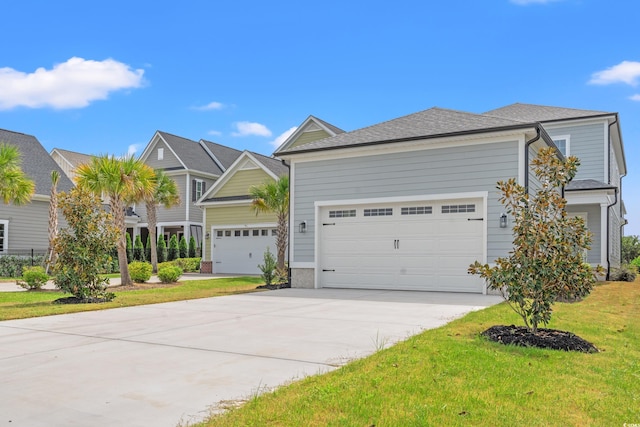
<point>562,142</point>
<point>160,153</point>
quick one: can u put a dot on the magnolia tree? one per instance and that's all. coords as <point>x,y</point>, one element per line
<point>546,262</point>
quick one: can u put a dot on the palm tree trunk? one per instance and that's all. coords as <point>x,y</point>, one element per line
<point>281,240</point>
<point>152,223</point>
<point>117,209</point>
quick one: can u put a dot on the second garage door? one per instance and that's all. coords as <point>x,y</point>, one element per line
<point>410,246</point>
<point>240,251</point>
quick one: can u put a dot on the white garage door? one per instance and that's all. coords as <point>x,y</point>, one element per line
<point>240,251</point>
<point>409,246</point>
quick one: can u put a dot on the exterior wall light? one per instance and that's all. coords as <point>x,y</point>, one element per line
<point>503,220</point>
<point>207,235</point>
<point>302,228</point>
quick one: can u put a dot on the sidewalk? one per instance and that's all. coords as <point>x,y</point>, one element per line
<point>13,287</point>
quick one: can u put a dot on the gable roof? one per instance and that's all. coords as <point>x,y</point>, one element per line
<point>223,155</point>
<point>74,159</point>
<point>432,123</point>
<point>541,113</point>
<point>191,154</point>
<point>36,162</point>
<point>271,166</point>
<point>310,121</point>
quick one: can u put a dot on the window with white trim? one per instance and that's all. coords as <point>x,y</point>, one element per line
<point>198,189</point>
<point>562,142</point>
<point>4,234</point>
<point>160,153</point>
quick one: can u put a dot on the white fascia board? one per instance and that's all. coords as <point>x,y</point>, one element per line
<point>589,197</point>
<point>409,146</point>
<point>205,205</point>
<point>213,156</point>
<point>403,199</point>
<point>585,121</point>
<point>300,130</point>
<point>250,225</point>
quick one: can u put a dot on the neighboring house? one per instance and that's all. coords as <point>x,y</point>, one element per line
<point>25,228</point>
<point>410,203</point>
<point>69,161</point>
<point>235,237</point>
<point>194,166</point>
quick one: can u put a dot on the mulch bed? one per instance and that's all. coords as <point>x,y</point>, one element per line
<point>274,287</point>
<point>76,300</point>
<point>544,338</point>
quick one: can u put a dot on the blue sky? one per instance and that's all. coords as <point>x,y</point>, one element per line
<point>102,77</point>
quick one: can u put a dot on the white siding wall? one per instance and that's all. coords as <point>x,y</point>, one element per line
<point>425,172</point>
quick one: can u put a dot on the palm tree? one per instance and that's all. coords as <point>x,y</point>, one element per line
<point>273,197</point>
<point>15,186</point>
<point>123,181</point>
<point>165,193</point>
<point>53,216</point>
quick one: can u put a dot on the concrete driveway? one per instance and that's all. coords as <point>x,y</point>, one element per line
<point>164,364</point>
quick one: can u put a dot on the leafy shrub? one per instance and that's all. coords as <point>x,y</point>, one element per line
<point>192,247</point>
<point>268,268</point>
<point>140,271</point>
<point>138,249</point>
<point>183,248</point>
<point>173,248</point>
<point>169,274</point>
<point>33,277</point>
<point>161,249</point>
<point>636,263</point>
<point>12,265</point>
<point>625,273</point>
<point>189,265</point>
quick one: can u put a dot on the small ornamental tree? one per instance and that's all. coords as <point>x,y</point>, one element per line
<point>192,247</point>
<point>546,262</point>
<point>183,248</point>
<point>161,249</point>
<point>84,247</point>
<point>138,250</point>
<point>173,248</point>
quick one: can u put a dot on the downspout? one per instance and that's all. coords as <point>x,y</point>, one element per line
<point>615,200</point>
<point>526,158</point>
<point>290,228</point>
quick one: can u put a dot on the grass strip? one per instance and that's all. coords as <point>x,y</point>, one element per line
<point>20,304</point>
<point>451,376</point>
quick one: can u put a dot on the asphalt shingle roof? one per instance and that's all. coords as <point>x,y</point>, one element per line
<point>587,184</point>
<point>76,159</point>
<point>541,113</point>
<point>192,154</point>
<point>36,162</point>
<point>333,128</point>
<point>429,123</point>
<point>274,165</point>
<point>225,155</point>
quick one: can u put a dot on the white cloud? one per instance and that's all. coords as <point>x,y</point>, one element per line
<point>625,72</point>
<point>214,133</point>
<point>635,97</point>
<point>210,106</point>
<point>250,128</point>
<point>283,137</point>
<point>132,149</point>
<point>72,84</point>
<point>528,2</point>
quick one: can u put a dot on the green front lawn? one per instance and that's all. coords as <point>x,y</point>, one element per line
<point>452,377</point>
<point>19,305</point>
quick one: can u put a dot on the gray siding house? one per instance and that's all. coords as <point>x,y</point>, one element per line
<point>411,202</point>
<point>25,228</point>
<point>194,166</point>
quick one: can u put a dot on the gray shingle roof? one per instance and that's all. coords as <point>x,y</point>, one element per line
<point>274,165</point>
<point>540,113</point>
<point>36,162</point>
<point>192,154</point>
<point>225,155</point>
<point>76,159</point>
<point>430,123</point>
<point>587,184</point>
